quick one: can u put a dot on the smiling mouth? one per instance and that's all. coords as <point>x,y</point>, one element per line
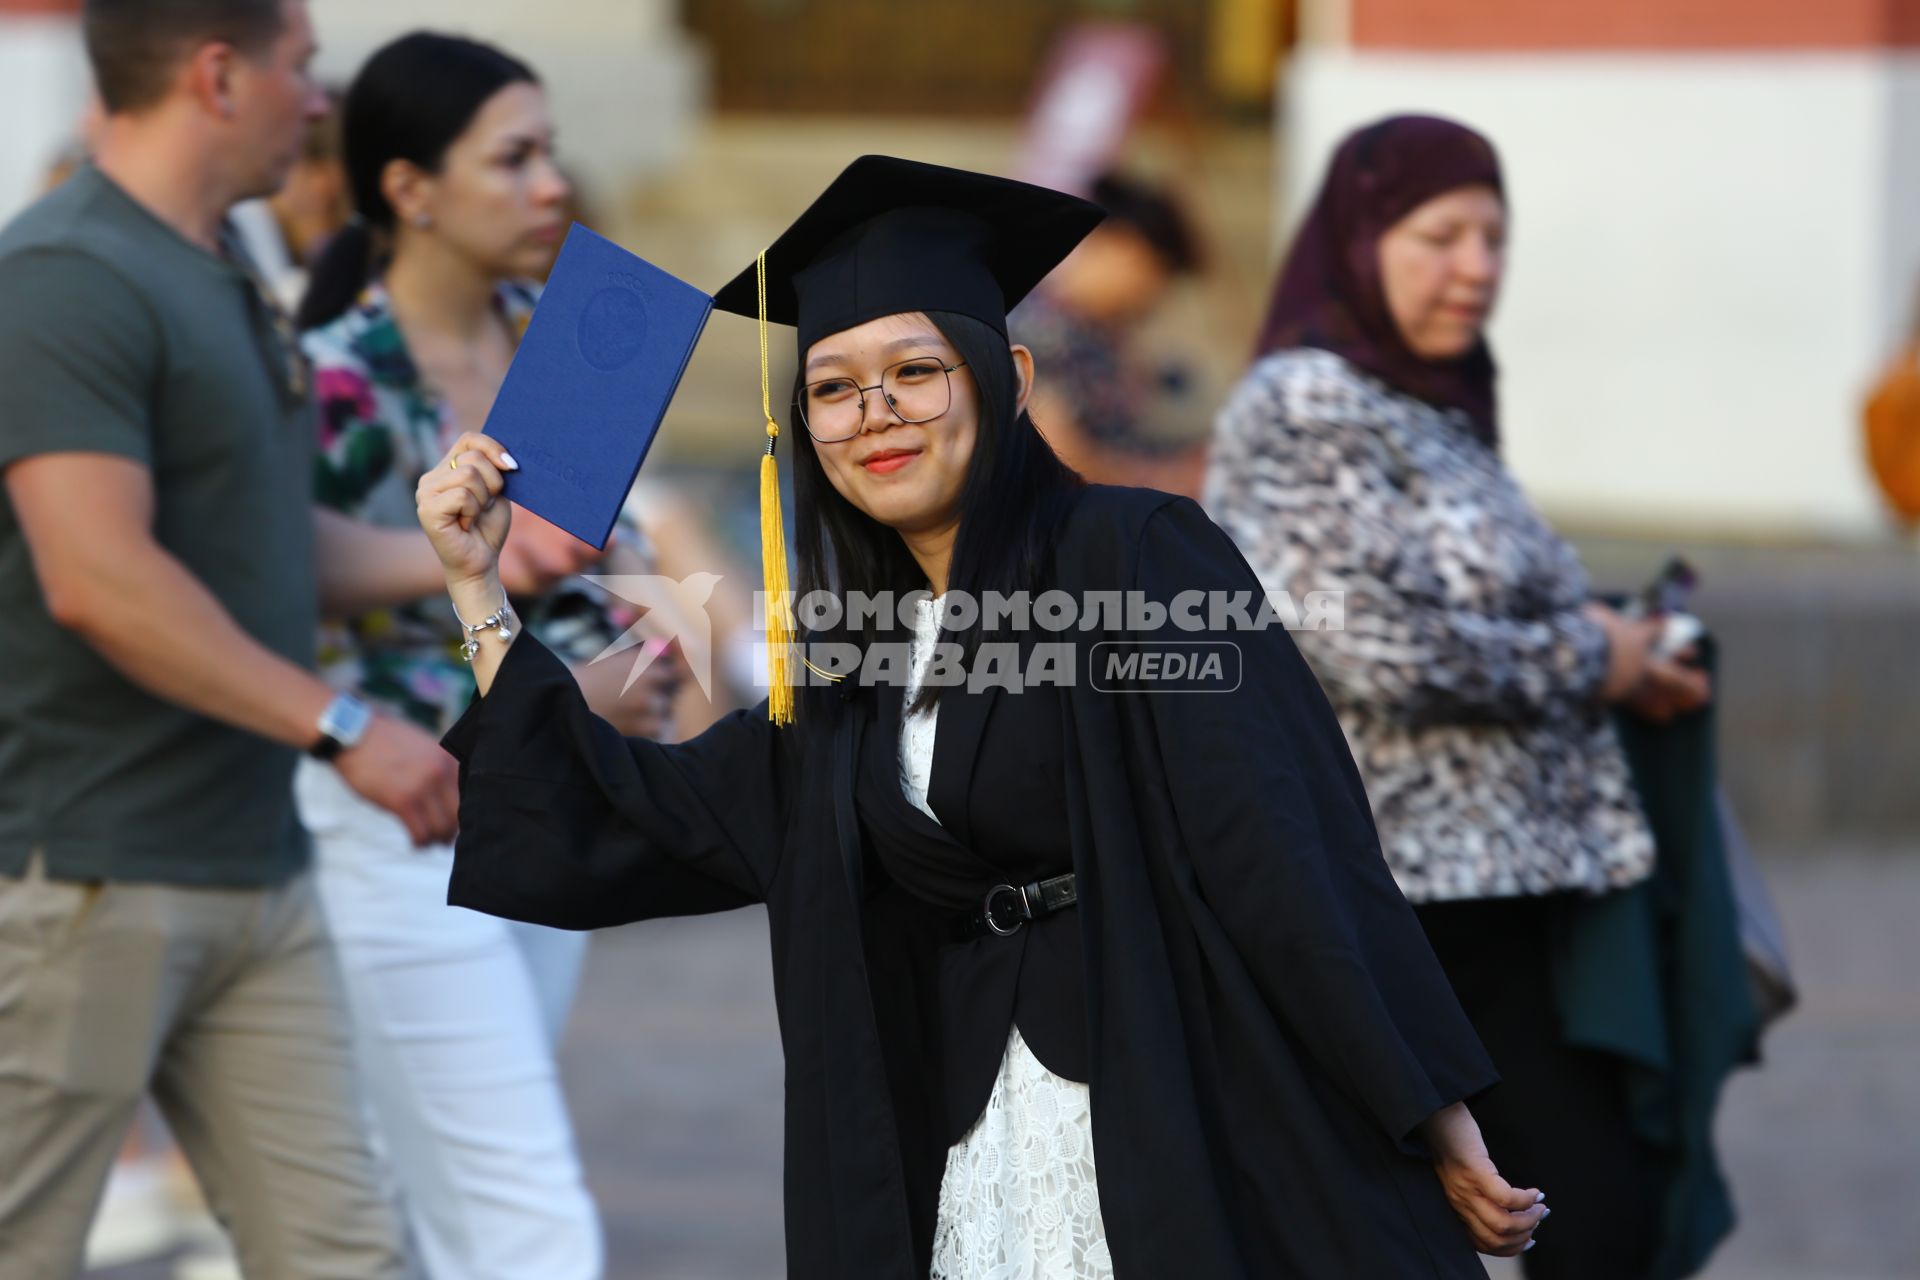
<point>888,460</point>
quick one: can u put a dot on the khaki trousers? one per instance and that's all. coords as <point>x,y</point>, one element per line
<point>225,1004</point>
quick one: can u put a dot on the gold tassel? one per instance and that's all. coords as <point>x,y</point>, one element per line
<point>773,542</point>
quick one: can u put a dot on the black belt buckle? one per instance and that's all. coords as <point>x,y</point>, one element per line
<point>1007,908</point>
<point>1004,910</point>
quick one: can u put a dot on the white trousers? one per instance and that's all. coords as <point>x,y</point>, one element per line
<point>456,1015</point>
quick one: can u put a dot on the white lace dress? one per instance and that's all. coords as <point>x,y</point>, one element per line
<point>1018,1200</point>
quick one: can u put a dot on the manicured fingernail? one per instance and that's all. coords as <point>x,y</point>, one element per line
<point>1545,1214</point>
<point>1540,1197</point>
<point>506,460</point>
<point>1529,1245</point>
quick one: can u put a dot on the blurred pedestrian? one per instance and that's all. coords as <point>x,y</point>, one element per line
<point>76,150</point>
<point>158,593</point>
<point>1473,675</point>
<point>1101,387</point>
<point>1072,983</point>
<point>285,233</point>
<point>416,310</point>
<point>1892,428</point>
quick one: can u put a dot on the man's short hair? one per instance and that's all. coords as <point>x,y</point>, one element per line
<point>136,45</point>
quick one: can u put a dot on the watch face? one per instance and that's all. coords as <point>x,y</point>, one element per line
<point>345,720</point>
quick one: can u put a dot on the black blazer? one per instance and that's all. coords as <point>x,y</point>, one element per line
<point>1267,1025</point>
<point>998,788</point>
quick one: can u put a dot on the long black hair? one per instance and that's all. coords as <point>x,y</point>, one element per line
<point>1016,493</point>
<point>410,101</point>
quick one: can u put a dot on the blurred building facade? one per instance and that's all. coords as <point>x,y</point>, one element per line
<point>1716,232</point>
<point>1717,202</point>
<point>627,83</point>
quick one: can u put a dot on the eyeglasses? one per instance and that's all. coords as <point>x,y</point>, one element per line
<point>918,389</point>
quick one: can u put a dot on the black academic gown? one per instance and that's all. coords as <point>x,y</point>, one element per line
<point>1266,1024</point>
<point>998,788</point>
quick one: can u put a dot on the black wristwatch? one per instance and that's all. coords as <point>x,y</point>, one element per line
<point>341,726</point>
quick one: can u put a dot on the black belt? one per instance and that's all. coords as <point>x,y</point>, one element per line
<point>1006,908</point>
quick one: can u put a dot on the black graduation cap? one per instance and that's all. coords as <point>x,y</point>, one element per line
<point>892,235</point>
<point>889,236</point>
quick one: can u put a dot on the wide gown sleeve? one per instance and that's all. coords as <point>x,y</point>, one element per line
<point>1310,497</point>
<point>1275,820</point>
<point>564,822</point>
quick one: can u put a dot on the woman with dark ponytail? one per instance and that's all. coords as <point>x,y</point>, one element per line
<point>411,320</point>
<point>411,103</point>
<point>342,271</point>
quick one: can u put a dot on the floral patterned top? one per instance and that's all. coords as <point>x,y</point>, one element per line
<point>1465,675</point>
<point>381,427</point>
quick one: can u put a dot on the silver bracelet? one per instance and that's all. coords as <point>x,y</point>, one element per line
<point>501,621</point>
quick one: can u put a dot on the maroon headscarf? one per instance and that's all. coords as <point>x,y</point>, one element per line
<point>1329,293</point>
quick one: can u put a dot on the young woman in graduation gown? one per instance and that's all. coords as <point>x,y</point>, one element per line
<point>1210,980</point>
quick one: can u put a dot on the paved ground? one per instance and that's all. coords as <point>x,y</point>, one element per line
<point>673,1064</point>
<point>675,1076</point>
<point>1823,1142</point>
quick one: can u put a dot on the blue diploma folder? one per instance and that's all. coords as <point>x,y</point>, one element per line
<point>591,381</point>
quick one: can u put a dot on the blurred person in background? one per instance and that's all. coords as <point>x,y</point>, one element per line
<point>161,565</point>
<point>74,153</point>
<point>577,207</point>
<point>1080,323</point>
<point>411,319</point>
<point>150,1203</point>
<point>1473,675</point>
<point>284,233</point>
<point>1891,421</point>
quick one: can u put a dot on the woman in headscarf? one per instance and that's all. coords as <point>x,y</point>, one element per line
<point>1473,676</point>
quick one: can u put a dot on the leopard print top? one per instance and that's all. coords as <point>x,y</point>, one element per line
<point>1465,674</point>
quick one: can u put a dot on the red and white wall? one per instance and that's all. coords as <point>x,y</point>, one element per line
<point>1716,232</point>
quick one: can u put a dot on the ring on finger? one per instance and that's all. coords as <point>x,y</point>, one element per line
<point>453,463</point>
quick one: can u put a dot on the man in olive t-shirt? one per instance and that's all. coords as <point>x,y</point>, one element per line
<point>161,571</point>
<point>100,777</point>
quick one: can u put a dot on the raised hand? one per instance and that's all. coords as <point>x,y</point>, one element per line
<point>460,508</point>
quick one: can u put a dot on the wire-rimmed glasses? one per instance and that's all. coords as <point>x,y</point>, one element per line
<point>917,389</point>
